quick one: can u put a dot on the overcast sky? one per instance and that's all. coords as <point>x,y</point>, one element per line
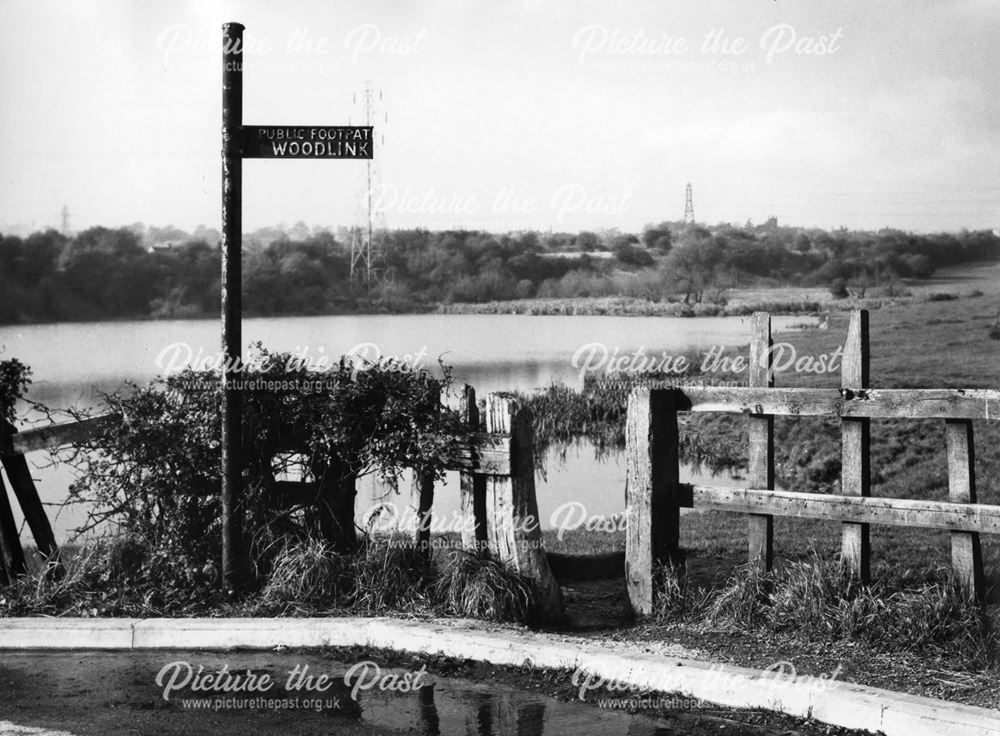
<point>513,114</point>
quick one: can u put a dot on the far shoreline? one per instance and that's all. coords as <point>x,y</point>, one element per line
<point>778,301</point>
<point>580,307</point>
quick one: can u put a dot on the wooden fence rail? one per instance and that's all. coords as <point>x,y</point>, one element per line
<point>903,403</point>
<point>654,496</point>
<point>497,491</point>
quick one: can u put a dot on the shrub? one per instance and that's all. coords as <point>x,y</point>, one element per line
<point>838,289</point>
<point>157,474</point>
<point>631,255</point>
<point>105,578</point>
<point>15,377</point>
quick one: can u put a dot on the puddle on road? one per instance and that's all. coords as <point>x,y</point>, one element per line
<point>84,693</point>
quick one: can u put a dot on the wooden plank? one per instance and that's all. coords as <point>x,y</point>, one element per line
<point>11,553</point>
<point>472,486</point>
<point>23,484</point>
<point>651,503</point>
<point>855,444</point>
<point>966,552</point>
<point>967,517</point>
<point>297,493</point>
<point>56,435</point>
<point>870,403</point>
<point>489,455</point>
<point>514,531</point>
<point>760,527</point>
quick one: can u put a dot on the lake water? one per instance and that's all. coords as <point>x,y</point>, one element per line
<point>73,363</point>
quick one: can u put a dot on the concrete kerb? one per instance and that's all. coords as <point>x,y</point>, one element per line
<point>830,701</point>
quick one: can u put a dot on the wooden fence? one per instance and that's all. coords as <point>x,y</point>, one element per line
<point>497,486</point>
<point>654,495</point>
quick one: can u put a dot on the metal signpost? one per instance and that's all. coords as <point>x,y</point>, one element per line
<point>239,142</point>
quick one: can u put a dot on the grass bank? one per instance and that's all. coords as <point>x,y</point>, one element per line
<point>634,307</point>
<point>778,300</point>
<point>383,576</point>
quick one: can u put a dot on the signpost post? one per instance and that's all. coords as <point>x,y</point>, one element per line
<point>239,142</point>
<point>232,300</point>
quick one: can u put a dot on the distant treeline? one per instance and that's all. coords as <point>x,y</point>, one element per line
<point>106,273</point>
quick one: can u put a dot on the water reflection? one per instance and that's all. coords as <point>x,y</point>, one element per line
<point>451,707</point>
<point>95,693</point>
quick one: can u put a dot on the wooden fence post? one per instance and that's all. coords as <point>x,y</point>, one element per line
<point>423,488</point>
<point>19,475</point>
<point>11,553</point>
<point>760,527</point>
<point>514,531</point>
<point>966,554</point>
<point>855,473</point>
<point>472,487</point>
<point>652,509</point>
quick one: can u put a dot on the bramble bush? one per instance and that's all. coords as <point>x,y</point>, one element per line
<point>154,478</point>
<point>156,475</point>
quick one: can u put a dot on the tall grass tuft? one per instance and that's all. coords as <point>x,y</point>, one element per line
<point>674,598</point>
<point>305,576</point>
<point>936,617</point>
<point>389,576</point>
<point>822,600</point>
<point>806,593</point>
<point>470,584</point>
<point>743,600</point>
<point>86,584</point>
